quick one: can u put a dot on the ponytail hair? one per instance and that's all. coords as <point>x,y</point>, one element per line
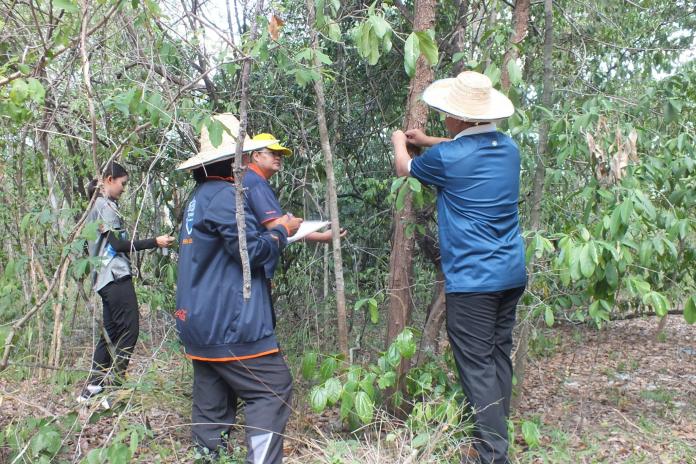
<point>92,187</point>
<point>113,169</point>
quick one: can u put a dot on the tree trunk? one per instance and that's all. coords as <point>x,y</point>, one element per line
<point>520,361</point>
<point>433,321</point>
<point>331,187</point>
<point>520,20</point>
<point>238,168</point>
<point>401,256</point>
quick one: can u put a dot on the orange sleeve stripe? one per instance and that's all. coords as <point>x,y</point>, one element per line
<point>233,358</point>
<point>270,219</point>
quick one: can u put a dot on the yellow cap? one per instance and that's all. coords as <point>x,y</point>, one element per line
<point>274,147</point>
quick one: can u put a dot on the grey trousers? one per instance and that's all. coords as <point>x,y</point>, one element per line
<point>480,326</point>
<point>264,384</point>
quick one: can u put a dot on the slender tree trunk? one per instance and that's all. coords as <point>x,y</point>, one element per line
<point>520,361</point>
<point>331,187</point>
<point>433,321</point>
<point>401,257</point>
<point>520,20</point>
<point>238,168</point>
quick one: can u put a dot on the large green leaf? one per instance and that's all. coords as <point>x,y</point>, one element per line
<point>309,365</point>
<point>333,390</point>
<point>364,407</point>
<point>690,310</point>
<point>318,398</point>
<point>427,47</point>
<point>588,258</point>
<point>411,53</point>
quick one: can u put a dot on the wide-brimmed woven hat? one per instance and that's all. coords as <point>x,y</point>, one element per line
<point>470,97</point>
<point>209,154</point>
<point>275,146</point>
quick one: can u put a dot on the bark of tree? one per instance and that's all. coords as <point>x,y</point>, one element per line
<point>520,359</point>
<point>331,188</point>
<point>238,168</point>
<point>520,21</point>
<point>401,256</point>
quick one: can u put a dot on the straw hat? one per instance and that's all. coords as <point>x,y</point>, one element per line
<point>470,97</point>
<point>275,146</point>
<point>227,149</point>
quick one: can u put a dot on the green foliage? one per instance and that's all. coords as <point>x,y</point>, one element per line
<point>356,388</point>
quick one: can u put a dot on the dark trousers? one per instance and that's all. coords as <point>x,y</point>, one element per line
<point>264,384</point>
<point>122,325</point>
<point>480,326</point>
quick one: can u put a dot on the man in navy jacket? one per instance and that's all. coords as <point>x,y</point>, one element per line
<point>230,340</point>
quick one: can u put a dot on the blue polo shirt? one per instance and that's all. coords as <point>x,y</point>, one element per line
<point>477,176</point>
<point>260,196</point>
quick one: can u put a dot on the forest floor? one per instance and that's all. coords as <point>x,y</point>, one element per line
<point>621,394</point>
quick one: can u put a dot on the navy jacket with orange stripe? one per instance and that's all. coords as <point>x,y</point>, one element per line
<point>214,321</point>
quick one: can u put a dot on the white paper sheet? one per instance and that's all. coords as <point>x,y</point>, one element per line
<point>306,228</point>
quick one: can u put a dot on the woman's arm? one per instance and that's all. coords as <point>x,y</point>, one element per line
<point>127,246</point>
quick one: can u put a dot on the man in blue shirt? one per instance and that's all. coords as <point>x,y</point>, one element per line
<point>476,174</point>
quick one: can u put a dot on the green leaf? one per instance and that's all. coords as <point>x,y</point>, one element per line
<point>328,367</point>
<point>548,316</point>
<point>68,5</point>
<point>379,25</point>
<point>118,453</point>
<point>46,440</point>
<point>457,57</point>
<point>334,31</point>
<point>645,252</point>
<point>347,403</point>
<point>514,72</point>
<point>36,90</point>
<point>530,433</point>
<point>658,302</point>
<point>364,407</point>
<point>374,313</point>
<point>405,343</point>
<point>690,310</point>
<point>392,356</point>
<point>420,440</point>
<point>401,198</point>
<point>318,398</point>
<point>323,58</point>
<point>588,257</point>
<point>19,91</point>
<point>637,287</point>
<point>414,185</point>
<point>427,47</point>
<point>333,390</point>
<point>387,380</point>
<point>611,275</point>
<point>411,53</point>
<point>493,73</point>
<point>215,129</point>
<point>309,365</point>
<point>672,108</point>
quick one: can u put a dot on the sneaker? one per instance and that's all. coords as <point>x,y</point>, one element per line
<point>88,392</point>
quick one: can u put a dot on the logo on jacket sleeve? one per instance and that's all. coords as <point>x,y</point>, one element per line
<point>180,314</point>
<point>189,216</point>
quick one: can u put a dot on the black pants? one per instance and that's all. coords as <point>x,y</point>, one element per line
<point>480,326</point>
<point>265,386</point>
<point>122,325</point>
